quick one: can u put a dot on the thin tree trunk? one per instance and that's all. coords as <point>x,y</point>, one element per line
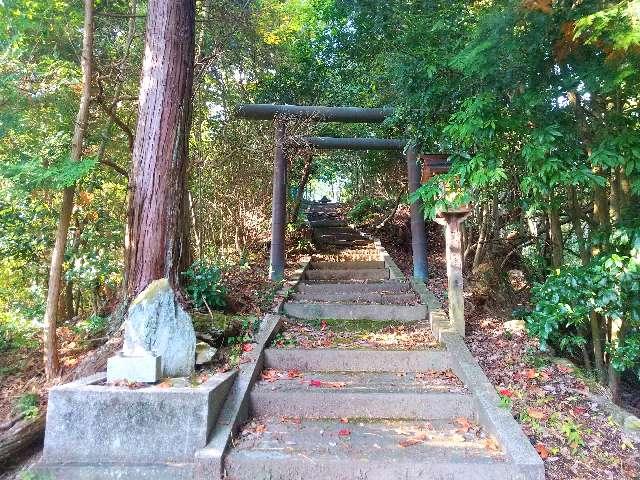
<point>601,216</point>
<point>574,213</point>
<point>51,360</point>
<point>555,232</point>
<point>157,202</point>
<point>306,171</point>
<point>482,237</point>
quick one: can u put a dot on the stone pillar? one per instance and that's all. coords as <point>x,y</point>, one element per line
<point>451,221</point>
<point>279,204</point>
<point>418,235</point>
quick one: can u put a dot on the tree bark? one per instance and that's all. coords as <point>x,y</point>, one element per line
<point>306,172</point>
<point>555,232</point>
<point>574,214</point>
<point>157,201</point>
<point>51,360</point>
<point>482,236</point>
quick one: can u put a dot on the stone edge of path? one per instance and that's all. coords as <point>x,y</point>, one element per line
<point>235,410</point>
<point>394,271</point>
<point>498,421</point>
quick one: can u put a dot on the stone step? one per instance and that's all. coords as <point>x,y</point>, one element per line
<point>388,286</point>
<point>359,274</point>
<point>315,402</point>
<point>353,311</point>
<point>328,223</point>
<point>325,449</point>
<point>357,265</point>
<point>360,298</point>
<point>344,360</point>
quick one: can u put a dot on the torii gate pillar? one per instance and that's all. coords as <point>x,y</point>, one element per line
<point>451,221</point>
<point>418,234</point>
<point>279,204</point>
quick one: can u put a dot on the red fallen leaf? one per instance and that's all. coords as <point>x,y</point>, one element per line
<point>247,347</point>
<point>166,383</point>
<point>491,444</point>
<point>323,325</point>
<point>542,450</point>
<point>344,432</point>
<point>315,383</point>
<point>260,428</point>
<point>506,392</point>
<point>579,410</point>
<point>294,373</point>
<point>344,420</point>
<point>530,373</point>
<point>320,383</point>
<point>269,375</point>
<point>296,420</point>
<point>415,440</point>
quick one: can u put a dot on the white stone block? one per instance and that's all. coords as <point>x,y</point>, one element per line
<point>134,368</point>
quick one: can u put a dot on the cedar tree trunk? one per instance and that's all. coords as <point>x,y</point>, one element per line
<point>156,229</point>
<point>51,361</point>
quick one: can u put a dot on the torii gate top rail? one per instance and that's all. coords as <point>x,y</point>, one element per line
<point>267,111</point>
<point>332,143</point>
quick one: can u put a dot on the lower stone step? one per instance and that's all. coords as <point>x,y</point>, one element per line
<point>352,311</point>
<point>357,297</point>
<point>384,450</point>
<point>315,402</point>
<point>359,274</point>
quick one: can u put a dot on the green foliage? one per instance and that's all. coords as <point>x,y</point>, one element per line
<point>204,286</point>
<point>28,405</point>
<point>367,208</point>
<point>92,326</point>
<point>16,333</point>
<point>609,285</point>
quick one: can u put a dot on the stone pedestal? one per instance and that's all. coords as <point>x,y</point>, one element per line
<point>99,431</point>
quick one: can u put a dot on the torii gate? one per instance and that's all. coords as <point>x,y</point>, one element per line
<point>332,114</point>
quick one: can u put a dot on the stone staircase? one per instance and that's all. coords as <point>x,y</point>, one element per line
<point>356,386</point>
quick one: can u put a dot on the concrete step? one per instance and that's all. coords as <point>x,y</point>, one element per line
<point>360,274</point>
<point>357,265</point>
<point>314,402</point>
<point>360,298</point>
<point>345,360</point>
<point>364,450</point>
<point>388,286</point>
<point>353,311</point>
<point>328,223</point>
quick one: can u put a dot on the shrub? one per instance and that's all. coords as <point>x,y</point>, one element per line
<point>204,286</point>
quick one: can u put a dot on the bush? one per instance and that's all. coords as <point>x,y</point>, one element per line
<point>204,286</point>
<point>609,286</point>
<point>367,208</point>
<point>16,332</point>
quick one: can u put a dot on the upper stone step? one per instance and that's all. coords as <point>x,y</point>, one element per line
<point>348,360</point>
<point>357,265</point>
<point>328,223</point>
<point>388,286</point>
<point>358,274</point>
<point>294,449</point>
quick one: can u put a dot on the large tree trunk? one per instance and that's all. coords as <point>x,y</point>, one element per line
<point>156,222</point>
<point>51,361</point>
<point>555,232</point>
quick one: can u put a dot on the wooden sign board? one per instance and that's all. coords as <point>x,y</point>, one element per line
<point>434,163</point>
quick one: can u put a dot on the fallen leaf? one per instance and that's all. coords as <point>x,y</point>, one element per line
<point>323,325</point>
<point>294,373</point>
<point>530,373</point>
<point>464,424</point>
<point>166,383</point>
<point>344,432</point>
<point>260,428</point>
<point>506,392</point>
<point>247,347</point>
<point>536,413</point>
<point>564,368</point>
<point>269,375</point>
<point>320,383</point>
<point>542,450</point>
<point>414,440</point>
<point>344,420</point>
<point>491,444</point>
<point>579,410</point>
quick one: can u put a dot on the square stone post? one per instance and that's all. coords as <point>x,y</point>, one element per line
<point>418,235</point>
<point>451,221</point>
<point>279,204</point>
